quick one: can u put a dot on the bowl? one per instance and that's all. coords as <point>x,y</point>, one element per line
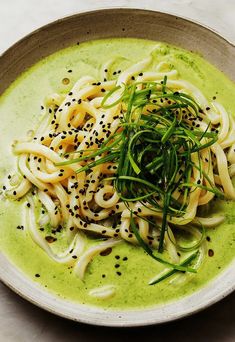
<point>109,23</point>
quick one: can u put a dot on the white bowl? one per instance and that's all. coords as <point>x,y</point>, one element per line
<point>94,25</point>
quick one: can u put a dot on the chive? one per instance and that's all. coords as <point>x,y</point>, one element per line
<point>164,84</point>
<point>97,162</point>
<point>152,147</point>
<point>164,222</point>
<point>169,273</point>
<point>149,251</point>
<point>92,155</point>
<point>108,95</point>
<point>169,132</point>
<point>142,181</point>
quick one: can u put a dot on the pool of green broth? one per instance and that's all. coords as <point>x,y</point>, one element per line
<point>20,108</point>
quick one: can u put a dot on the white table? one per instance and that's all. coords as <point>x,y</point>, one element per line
<point>21,321</point>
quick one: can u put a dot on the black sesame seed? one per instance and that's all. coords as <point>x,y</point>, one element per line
<point>210,252</point>
<point>50,239</point>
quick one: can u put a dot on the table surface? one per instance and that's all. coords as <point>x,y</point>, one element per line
<point>21,321</point>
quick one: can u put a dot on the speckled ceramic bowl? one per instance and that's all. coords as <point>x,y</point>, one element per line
<point>104,24</point>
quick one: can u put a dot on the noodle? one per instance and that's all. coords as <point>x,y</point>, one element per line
<point>81,195</point>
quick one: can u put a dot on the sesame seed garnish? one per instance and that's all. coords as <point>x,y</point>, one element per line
<point>210,252</point>
<point>50,239</point>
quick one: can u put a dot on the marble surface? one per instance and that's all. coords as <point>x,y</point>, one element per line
<point>21,321</point>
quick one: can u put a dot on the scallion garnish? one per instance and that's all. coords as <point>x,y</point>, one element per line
<point>153,147</point>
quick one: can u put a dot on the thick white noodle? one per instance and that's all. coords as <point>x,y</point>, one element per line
<point>74,125</point>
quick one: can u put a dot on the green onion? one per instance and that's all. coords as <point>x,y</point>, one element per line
<point>153,148</point>
<point>168,273</point>
<point>149,251</point>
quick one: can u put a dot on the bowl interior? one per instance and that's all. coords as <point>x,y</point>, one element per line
<point>104,24</point>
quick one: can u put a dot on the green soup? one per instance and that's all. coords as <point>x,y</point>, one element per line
<point>19,111</point>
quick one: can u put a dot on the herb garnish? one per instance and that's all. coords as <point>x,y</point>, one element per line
<point>159,132</point>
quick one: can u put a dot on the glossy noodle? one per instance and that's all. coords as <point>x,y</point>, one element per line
<point>92,167</point>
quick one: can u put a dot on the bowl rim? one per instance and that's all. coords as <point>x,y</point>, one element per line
<point>227,289</point>
<point>111,8</point>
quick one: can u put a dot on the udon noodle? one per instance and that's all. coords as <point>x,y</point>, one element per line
<point>77,204</point>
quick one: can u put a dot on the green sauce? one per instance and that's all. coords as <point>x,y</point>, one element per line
<point>19,112</point>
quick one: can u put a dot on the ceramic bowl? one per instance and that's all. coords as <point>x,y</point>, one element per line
<point>110,23</point>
